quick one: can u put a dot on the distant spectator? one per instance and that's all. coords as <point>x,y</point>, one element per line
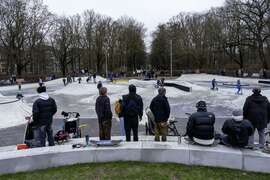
<point>161,110</point>
<point>64,81</point>
<point>94,78</point>
<point>99,85</point>
<point>40,82</point>
<point>257,110</point>
<point>104,113</point>
<point>237,130</point>
<point>79,80</point>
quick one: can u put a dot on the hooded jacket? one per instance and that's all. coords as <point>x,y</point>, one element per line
<point>137,106</point>
<point>160,108</point>
<point>257,110</point>
<point>43,110</point>
<point>237,131</point>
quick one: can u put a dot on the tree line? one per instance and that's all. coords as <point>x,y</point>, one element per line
<point>35,41</point>
<point>234,36</point>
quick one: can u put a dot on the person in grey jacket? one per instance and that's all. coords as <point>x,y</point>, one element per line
<point>104,114</point>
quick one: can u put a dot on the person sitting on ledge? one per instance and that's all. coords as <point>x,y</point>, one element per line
<point>237,130</point>
<point>200,126</point>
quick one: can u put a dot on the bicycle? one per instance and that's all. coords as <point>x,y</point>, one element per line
<point>267,133</point>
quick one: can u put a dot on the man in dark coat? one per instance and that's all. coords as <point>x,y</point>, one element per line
<point>43,110</point>
<point>200,126</point>
<point>104,113</point>
<point>237,130</point>
<point>161,110</point>
<point>132,110</point>
<point>257,110</point>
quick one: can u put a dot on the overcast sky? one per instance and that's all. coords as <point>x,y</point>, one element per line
<point>149,12</point>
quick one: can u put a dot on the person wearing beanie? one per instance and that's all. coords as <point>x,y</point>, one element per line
<point>43,110</point>
<point>237,130</point>
<point>161,110</point>
<point>133,112</point>
<point>257,110</point>
<point>200,126</point>
<point>104,114</point>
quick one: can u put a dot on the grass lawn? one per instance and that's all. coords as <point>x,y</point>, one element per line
<point>135,170</point>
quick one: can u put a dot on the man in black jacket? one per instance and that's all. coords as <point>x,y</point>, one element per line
<point>257,110</point>
<point>132,110</point>
<point>161,110</point>
<point>237,130</point>
<point>104,113</point>
<point>200,126</point>
<point>43,110</point>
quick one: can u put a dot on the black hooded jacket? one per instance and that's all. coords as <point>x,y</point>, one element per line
<point>238,132</point>
<point>201,125</point>
<point>160,108</point>
<point>43,111</point>
<point>257,110</point>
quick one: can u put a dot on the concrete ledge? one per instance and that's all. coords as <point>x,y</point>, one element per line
<point>12,161</point>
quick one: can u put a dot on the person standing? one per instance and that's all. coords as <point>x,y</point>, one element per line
<point>99,85</point>
<point>94,78</point>
<point>104,114</point>
<point>200,126</point>
<point>133,112</point>
<point>40,82</point>
<point>161,110</point>
<point>257,110</point>
<point>237,130</point>
<point>64,81</point>
<point>239,87</point>
<point>43,110</point>
<point>214,84</point>
<point>79,80</point>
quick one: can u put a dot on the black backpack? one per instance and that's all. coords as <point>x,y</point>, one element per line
<point>132,108</point>
<point>238,133</point>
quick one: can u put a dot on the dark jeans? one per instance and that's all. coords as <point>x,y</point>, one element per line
<point>131,124</point>
<point>105,130</point>
<point>40,134</point>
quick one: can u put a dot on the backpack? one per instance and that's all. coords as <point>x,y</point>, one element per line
<point>132,108</point>
<point>150,114</point>
<point>117,107</point>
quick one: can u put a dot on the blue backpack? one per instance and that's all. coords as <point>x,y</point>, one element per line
<point>132,108</point>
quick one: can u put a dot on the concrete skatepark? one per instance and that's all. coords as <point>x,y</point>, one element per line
<point>221,102</point>
<point>146,150</point>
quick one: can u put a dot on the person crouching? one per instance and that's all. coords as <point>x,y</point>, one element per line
<point>237,131</point>
<point>161,110</point>
<point>104,113</point>
<point>200,126</point>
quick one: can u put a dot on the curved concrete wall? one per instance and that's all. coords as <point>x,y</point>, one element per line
<point>12,161</point>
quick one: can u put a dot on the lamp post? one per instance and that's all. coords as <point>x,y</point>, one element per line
<point>171,57</point>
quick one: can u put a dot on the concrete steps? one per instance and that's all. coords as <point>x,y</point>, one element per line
<point>146,150</point>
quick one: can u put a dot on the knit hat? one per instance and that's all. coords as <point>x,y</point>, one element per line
<point>237,115</point>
